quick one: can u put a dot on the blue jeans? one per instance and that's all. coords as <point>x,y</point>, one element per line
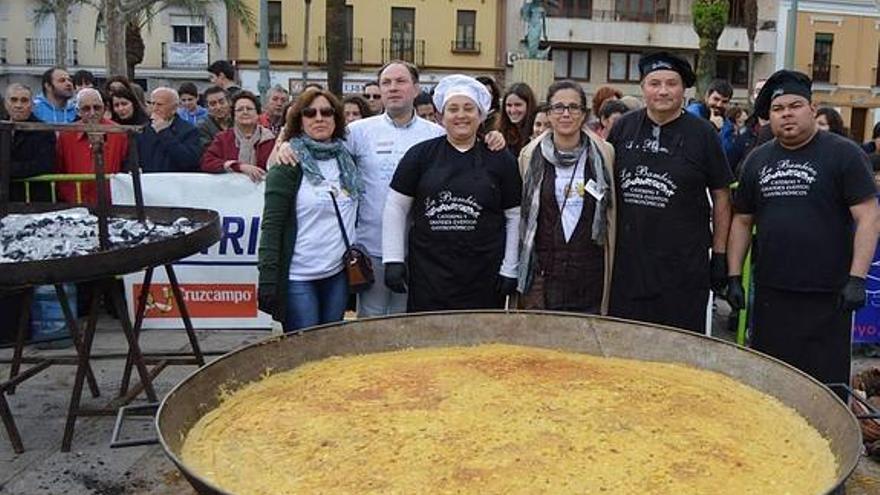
<point>316,302</point>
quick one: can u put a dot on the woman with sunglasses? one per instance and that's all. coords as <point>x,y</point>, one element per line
<point>308,208</point>
<point>567,216</point>
<point>243,148</point>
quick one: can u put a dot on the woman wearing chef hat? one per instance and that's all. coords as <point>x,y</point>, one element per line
<point>464,229</point>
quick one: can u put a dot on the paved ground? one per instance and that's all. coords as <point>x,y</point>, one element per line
<point>92,468</point>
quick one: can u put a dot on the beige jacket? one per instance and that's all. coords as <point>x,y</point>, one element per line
<point>607,152</point>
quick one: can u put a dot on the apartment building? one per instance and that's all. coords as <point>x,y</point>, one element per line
<point>178,46</point>
<point>440,36</point>
<point>599,42</point>
<point>838,45</point>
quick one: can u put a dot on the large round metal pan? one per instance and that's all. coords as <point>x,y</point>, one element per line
<point>199,393</point>
<point>116,261</point>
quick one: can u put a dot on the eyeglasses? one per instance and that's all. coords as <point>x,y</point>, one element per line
<point>245,109</point>
<point>312,112</point>
<point>91,108</point>
<point>573,109</point>
<point>371,96</point>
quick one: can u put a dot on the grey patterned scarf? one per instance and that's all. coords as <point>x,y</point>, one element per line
<point>247,146</point>
<point>531,201</point>
<point>308,151</point>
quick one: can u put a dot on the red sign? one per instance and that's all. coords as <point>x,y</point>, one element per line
<point>202,300</point>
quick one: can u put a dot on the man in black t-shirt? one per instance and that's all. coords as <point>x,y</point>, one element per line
<point>665,161</point>
<point>811,197</point>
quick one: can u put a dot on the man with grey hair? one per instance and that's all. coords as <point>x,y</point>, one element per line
<point>74,152</point>
<point>33,152</point>
<point>169,143</point>
<point>273,109</point>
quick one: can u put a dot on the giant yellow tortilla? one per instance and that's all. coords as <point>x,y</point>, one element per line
<point>501,419</point>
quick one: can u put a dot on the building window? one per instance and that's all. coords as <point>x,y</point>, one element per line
<point>733,68</point>
<point>822,57</point>
<point>465,30</point>
<point>188,34</point>
<point>571,64</point>
<point>582,9</point>
<point>642,10</point>
<point>403,25</point>
<point>736,13</point>
<point>623,66</point>
<point>276,33</point>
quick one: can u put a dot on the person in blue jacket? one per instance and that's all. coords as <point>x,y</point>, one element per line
<point>169,143</point>
<point>56,105</point>
<point>713,108</point>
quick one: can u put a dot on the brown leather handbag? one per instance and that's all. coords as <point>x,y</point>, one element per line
<point>357,264</point>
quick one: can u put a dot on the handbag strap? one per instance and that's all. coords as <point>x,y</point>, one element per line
<point>339,220</point>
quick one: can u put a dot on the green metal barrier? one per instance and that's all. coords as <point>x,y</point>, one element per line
<point>53,179</point>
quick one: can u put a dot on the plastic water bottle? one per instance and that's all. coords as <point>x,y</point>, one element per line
<point>47,317</point>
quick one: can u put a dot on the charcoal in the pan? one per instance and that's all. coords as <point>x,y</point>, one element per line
<point>74,232</point>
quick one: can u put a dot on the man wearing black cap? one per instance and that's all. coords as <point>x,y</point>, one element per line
<point>811,196</point>
<point>666,160</point>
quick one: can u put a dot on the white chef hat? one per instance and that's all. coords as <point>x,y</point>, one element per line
<point>459,84</point>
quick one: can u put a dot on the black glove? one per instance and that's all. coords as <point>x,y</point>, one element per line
<point>852,296</point>
<point>736,297</point>
<point>505,286</point>
<point>718,272</point>
<point>267,298</point>
<point>395,277</point>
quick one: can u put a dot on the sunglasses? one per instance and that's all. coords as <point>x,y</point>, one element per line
<point>371,97</point>
<point>325,112</point>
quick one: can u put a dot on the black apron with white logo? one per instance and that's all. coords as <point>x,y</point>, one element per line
<point>663,231</point>
<point>456,243</point>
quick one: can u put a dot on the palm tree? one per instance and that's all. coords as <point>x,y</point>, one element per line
<point>710,17</point>
<point>336,44</point>
<point>124,20</point>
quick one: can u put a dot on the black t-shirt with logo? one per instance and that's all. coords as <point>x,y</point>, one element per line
<point>456,242</point>
<point>800,200</point>
<point>662,173</point>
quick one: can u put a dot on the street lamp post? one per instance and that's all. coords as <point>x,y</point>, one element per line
<point>791,35</point>
<point>305,72</point>
<point>264,83</point>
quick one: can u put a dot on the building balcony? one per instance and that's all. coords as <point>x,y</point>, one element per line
<point>466,46</point>
<point>2,51</point>
<point>412,51</point>
<point>354,52</point>
<point>41,51</point>
<point>623,15</point>
<point>186,55</point>
<point>276,39</point>
<point>824,74</point>
<point>670,31</point>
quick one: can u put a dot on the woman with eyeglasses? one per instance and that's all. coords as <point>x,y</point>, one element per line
<point>567,229</point>
<point>245,147</point>
<point>309,211</point>
<point>464,200</point>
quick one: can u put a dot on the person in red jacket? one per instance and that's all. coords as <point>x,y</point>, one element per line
<point>246,146</point>
<point>74,151</point>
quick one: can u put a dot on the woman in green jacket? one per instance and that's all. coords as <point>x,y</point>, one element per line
<point>302,282</point>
